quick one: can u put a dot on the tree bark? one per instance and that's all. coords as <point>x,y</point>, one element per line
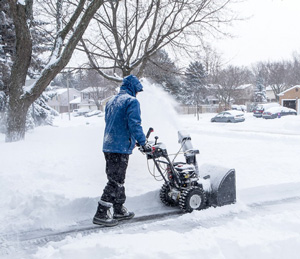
<point>17,109</point>
<point>16,120</point>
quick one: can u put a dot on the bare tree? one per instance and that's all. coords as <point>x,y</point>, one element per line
<point>212,62</point>
<point>129,33</point>
<point>229,79</point>
<point>295,70</point>
<point>275,75</point>
<point>67,36</point>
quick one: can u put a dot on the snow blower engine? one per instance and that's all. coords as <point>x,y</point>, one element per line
<point>183,185</point>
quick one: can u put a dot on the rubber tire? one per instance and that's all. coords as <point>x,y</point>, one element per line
<point>194,195</point>
<point>164,197</point>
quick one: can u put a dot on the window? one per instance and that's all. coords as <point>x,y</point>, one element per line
<point>85,95</point>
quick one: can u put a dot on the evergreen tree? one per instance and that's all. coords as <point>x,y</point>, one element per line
<point>195,78</point>
<point>195,90</point>
<point>40,45</point>
<point>260,92</point>
<point>162,70</point>
<point>38,114</point>
<point>7,39</point>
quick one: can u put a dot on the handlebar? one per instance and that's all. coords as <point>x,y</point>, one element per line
<point>149,132</point>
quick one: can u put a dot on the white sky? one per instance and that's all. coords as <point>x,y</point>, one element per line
<point>272,33</point>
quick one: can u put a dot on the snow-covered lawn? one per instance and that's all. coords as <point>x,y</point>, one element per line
<point>54,178</point>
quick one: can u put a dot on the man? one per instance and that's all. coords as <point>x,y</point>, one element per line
<point>123,129</point>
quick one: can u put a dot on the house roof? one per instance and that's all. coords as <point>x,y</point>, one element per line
<point>61,90</point>
<point>87,102</point>
<point>245,86</point>
<point>89,89</point>
<point>287,90</point>
<point>76,101</point>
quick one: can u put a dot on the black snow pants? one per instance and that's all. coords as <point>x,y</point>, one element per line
<point>114,191</point>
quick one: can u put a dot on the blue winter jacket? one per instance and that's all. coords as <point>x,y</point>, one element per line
<point>123,119</point>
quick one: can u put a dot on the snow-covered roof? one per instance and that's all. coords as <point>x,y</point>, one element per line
<point>87,102</point>
<point>269,88</point>
<point>61,90</point>
<point>90,89</point>
<point>76,101</point>
<point>287,90</point>
<point>245,86</point>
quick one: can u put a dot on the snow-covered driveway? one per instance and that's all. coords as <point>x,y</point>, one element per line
<point>53,179</point>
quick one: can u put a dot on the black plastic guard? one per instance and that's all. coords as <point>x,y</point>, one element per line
<point>223,189</point>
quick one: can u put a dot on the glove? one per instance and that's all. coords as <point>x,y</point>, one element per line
<point>146,148</point>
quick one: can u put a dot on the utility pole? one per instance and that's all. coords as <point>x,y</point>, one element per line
<point>67,72</point>
<point>68,94</point>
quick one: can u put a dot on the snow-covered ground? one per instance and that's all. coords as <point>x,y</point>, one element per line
<point>53,180</point>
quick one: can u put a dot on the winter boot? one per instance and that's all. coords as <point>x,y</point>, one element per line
<point>103,215</point>
<point>121,213</point>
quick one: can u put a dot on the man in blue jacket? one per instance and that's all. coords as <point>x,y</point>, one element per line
<point>123,129</point>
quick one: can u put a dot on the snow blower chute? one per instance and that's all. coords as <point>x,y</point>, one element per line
<point>187,186</point>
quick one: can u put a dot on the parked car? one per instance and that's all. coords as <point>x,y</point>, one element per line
<point>260,108</point>
<point>94,113</point>
<point>229,116</point>
<point>277,112</point>
<point>238,107</point>
<point>80,112</point>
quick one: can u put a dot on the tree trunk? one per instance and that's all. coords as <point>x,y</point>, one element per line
<point>16,120</point>
<point>17,108</point>
<point>20,99</point>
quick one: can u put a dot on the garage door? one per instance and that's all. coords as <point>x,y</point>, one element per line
<point>290,104</point>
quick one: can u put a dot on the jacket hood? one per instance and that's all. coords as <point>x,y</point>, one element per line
<point>131,85</point>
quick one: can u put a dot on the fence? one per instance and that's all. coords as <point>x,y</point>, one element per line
<point>202,109</point>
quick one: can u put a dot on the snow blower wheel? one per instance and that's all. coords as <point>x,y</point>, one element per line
<point>165,197</point>
<point>191,199</point>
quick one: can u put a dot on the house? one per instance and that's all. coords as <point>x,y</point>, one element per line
<point>270,94</point>
<point>94,98</point>
<point>74,104</point>
<point>59,97</point>
<point>291,98</point>
<point>244,93</point>
<point>62,97</point>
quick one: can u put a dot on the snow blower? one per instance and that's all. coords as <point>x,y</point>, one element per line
<point>184,184</point>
